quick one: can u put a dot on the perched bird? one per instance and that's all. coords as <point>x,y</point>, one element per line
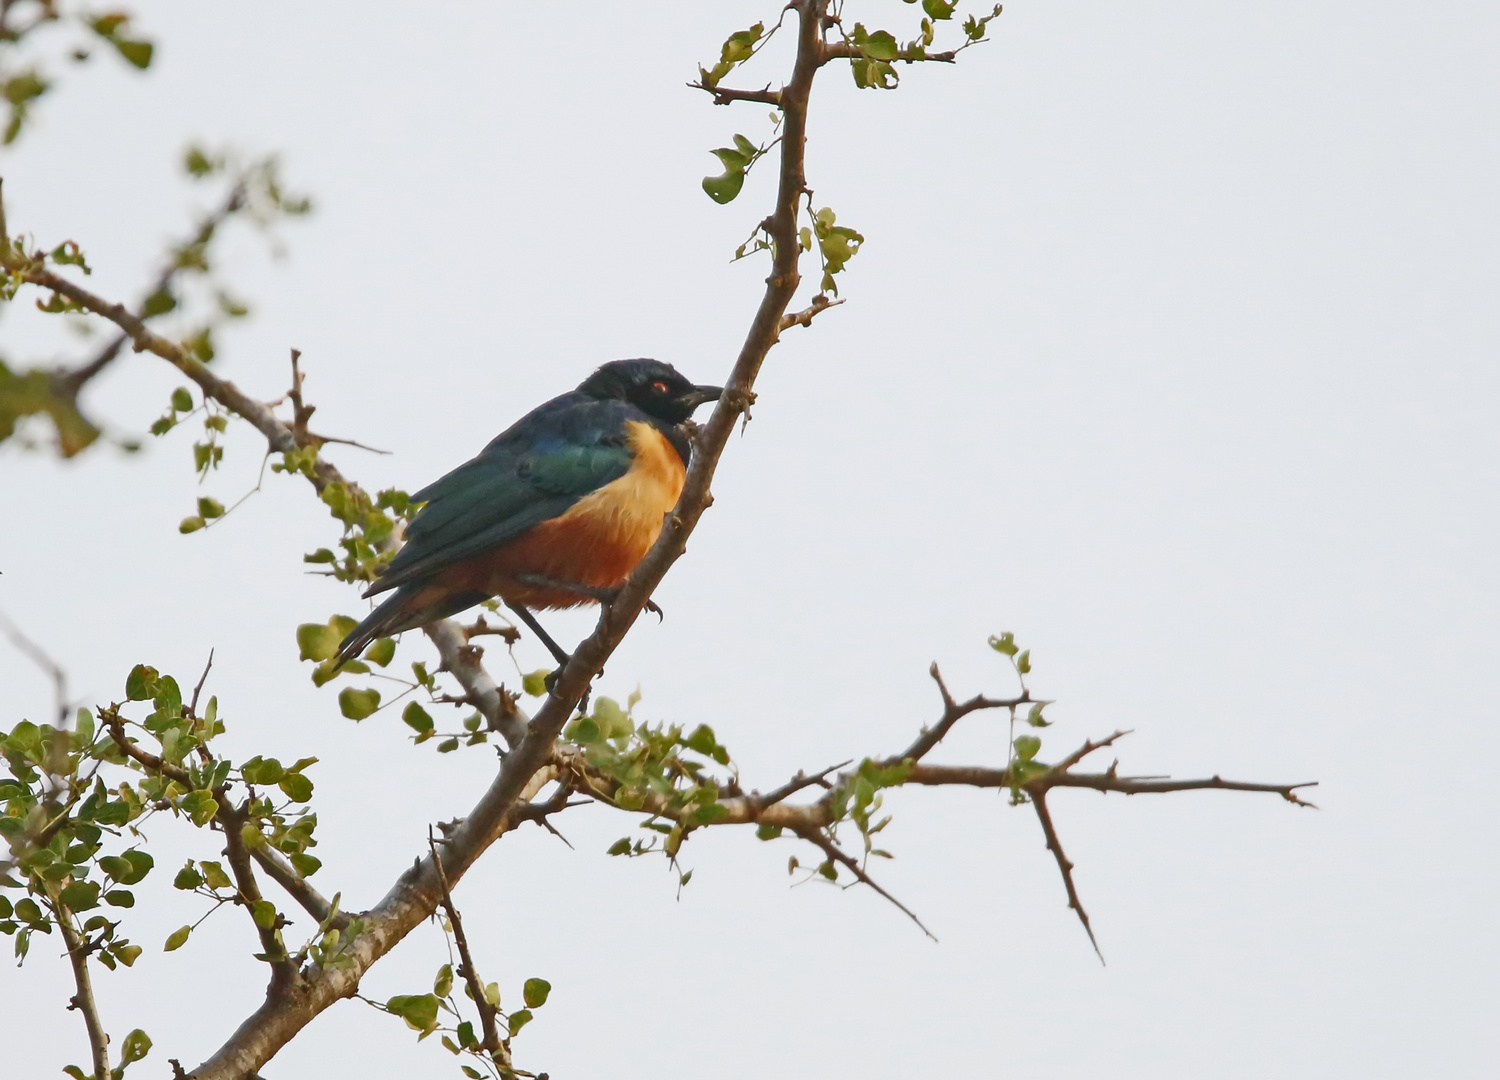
<point>555,512</point>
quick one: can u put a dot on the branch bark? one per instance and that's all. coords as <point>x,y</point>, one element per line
<point>83,1000</point>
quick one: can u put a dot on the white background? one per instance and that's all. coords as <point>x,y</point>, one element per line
<point>1172,349</point>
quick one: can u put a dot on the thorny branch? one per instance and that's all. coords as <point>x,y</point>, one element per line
<point>534,760</point>
<point>815,821</point>
<point>492,1045</point>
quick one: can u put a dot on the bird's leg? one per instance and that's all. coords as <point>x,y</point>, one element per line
<point>553,647</point>
<point>546,639</point>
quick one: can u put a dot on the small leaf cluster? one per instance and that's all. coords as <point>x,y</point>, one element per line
<point>440,1012</point>
<point>58,818</point>
<point>21,90</point>
<point>873,68</point>
<point>737,48</point>
<point>737,162</point>
<point>661,768</point>
<point>368,524</point>
<point>1024,748</point>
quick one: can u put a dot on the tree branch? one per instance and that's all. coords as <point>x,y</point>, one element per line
<point>723,95</point>
<point>231,819</point>
<point>820,840</point>
<point>466,969</point>
<point>1054,845</point>
<point>83,1000</point>
<point>297,887</point>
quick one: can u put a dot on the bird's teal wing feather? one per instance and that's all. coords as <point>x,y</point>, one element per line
<point>514,485</point>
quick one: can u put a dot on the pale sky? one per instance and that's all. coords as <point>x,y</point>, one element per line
<point>1172,349</point>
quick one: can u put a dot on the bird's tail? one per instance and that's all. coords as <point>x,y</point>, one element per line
<point>385,620</point>
<point>405,609</point>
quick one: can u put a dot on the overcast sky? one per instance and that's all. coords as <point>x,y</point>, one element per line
<point>1172,349</point>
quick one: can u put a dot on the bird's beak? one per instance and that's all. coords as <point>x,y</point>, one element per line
<point>703,394</point>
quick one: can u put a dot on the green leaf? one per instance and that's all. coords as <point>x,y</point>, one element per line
<point>140,865</point>
<point>767,832</point>
<point>939,9</point>
<point>210,508</point>
<point>619,847</point>
<point>1005,643</point>
<point>535,992</point>
<point>81,895</point>
<point>877,46</point>
<point>177,938</point>
<point>187,878</point>
<point>136,1046</point>
<point>1027,747</point>
<point>158,303</point>
<point>356,703</point>
<point>1023,662</point>
<point>264,913</point>
<point>190,524</point>
<point>584,730</point>
<point>317,641</point>
<point>200,806</point>
<point>140,684</point>
<point>416,718</point>
<point>535,683</point>
<point>442,986</point>
<point>137,53</point>
<point>723,189</point>
<point>1034,716</point>
<point>182,399</point>
<point>126,953</point>
<point>214,875</point>
<point>708,813</point>
<point>702,740</point>
<point>297,787</point>
<point>381,651</point>
<point>305,864</point>
<point>518,1020</point>
<point>418,1010</point>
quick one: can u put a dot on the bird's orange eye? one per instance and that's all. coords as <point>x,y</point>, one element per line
<point>659,387</point>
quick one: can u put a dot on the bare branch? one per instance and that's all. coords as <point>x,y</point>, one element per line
<point>723,95</point>
<point>497,1050</point>
<point>805,317</point>
<point>461,660</point>
<point>83,999</point>
<point>798,783</point>
<point>1054,845</point>
<point>953,712</point>
<point>832,850</point>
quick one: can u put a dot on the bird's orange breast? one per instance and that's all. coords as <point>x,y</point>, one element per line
<point>599,540</point>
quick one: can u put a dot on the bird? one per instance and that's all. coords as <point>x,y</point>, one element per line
<point>555,512</point>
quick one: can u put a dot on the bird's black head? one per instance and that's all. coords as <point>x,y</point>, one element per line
<point>655,388</point>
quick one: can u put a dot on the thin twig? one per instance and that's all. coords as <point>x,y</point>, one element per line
<point>1054,845</point>
<point>297,887</point>
<point>723,95</point>
<point>820,303</point>
<point>832,850</point>
<point>83,999</point>
<point>466,969</point>
<point>40,657</point>
<point>193,705</point>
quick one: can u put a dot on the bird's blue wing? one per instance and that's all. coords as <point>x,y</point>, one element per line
<point>533,472</point>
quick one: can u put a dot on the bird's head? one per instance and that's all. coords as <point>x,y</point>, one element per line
<point>655,388</point>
